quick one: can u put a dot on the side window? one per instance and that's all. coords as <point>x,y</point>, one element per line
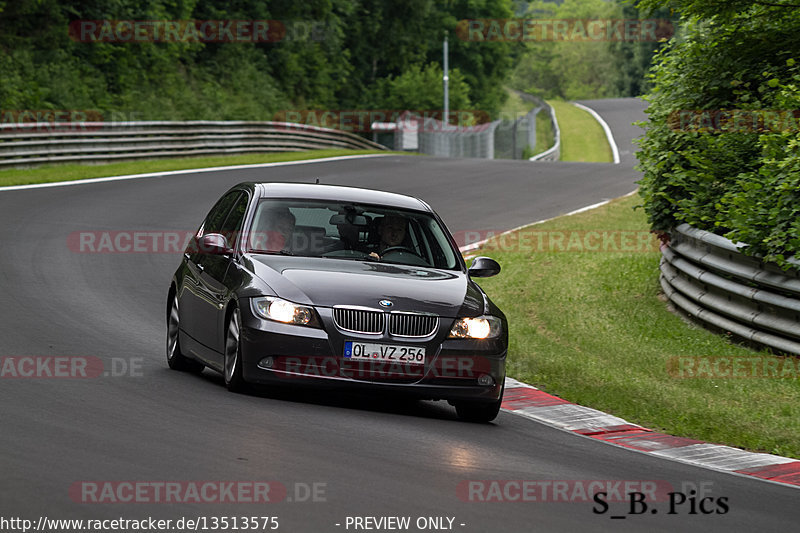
<point>216,217</point>
<point>233,223</point>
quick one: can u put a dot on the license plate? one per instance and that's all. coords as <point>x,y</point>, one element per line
<point>368,351</point>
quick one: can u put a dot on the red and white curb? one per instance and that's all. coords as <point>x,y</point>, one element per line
<point>528,401</point>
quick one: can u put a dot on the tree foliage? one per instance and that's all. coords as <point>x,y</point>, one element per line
<point>741,180</point>
<point>343,54</point>
<point>574,69</point>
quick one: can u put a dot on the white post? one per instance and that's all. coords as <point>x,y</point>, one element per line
<point>445,79</point>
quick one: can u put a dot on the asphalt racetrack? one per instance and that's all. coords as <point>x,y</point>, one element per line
<point>81,448</point>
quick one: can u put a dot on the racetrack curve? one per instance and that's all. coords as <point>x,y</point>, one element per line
<point>372,457</point>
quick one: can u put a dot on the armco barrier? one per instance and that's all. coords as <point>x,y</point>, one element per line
<point>707,277</point>
<point>94,142</point>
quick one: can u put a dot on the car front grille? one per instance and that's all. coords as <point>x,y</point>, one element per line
<point>412,324</point>
<point>359,320</point>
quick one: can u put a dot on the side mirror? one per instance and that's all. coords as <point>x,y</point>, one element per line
<point>214,244</point>
<point>483,267</point>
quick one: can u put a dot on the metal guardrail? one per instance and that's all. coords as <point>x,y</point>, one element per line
<point>94,142</point>
<point>707,277</point>
<point>554,153</point>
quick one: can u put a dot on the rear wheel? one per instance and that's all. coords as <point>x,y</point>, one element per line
<point>482,412</point>
<point>175,358</point>
<point>233,355</point>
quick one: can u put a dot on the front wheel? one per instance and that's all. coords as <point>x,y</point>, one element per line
<point>481,412</point>
<point>175,358</point>
<point>233,355</point>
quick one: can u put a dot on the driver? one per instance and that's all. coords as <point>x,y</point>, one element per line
<point>275,230</point>
<point>392,231</point>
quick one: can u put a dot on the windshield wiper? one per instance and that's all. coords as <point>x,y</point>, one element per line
<point>272,252</point>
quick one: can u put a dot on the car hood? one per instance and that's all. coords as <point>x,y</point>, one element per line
<point>329,282</point>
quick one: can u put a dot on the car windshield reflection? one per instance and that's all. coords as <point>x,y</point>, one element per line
<point>335,230</point>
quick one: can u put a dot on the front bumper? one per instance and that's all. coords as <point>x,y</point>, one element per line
<point>454,369</point>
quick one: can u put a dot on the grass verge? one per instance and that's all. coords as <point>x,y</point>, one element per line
<point>592,328</point>
<point>545,136</point>
<point>514,105</point>
<point>53,173</point>
<point>582,137</point>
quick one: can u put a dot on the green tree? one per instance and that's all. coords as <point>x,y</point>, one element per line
<point>585,69</point>
<point>354,53</point>
<point>739,181</point>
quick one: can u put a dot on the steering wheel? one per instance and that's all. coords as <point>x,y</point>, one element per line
<point>400,249</point>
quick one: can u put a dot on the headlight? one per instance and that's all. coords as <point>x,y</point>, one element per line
<point>280,310</point>
<point>483,327</point>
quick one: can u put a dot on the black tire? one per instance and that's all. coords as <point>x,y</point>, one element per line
<point>232,372</point>
<point>175,358</point>
<point>480,412</point>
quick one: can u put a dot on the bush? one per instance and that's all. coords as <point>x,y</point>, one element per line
<point>740,182</point>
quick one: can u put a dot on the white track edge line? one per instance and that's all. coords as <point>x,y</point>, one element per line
<point>187,171</point>
<point>609,136</point>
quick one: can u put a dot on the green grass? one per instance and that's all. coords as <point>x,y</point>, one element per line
<point>582,137</point>
<point>545,136</point>
<point>514,106</point>
<point>593,328</point>
<point>52,173</point>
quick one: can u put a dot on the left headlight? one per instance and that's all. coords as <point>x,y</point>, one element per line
<point>280,310</point>
<point>482,327</point>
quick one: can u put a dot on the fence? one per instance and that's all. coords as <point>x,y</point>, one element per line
<point>501,139</point>
<point>513,138</point>
<point>707,277</point>
<point>95,142</point>
<point>458,141</point>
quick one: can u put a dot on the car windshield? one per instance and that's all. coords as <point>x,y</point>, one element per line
<point>339,230</point>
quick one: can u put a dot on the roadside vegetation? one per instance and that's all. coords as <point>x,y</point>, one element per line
<point>590,327</point>
<point>722,146</point>
<point>319,55</point>
<point>577,69</point>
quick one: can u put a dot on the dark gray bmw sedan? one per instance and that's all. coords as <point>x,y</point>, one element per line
<point>288,283</point>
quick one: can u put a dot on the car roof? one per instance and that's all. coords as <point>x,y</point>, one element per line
<point>336,192</point>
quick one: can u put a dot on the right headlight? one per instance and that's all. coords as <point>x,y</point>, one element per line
<point>482,327</point>
<point>281,310</point>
